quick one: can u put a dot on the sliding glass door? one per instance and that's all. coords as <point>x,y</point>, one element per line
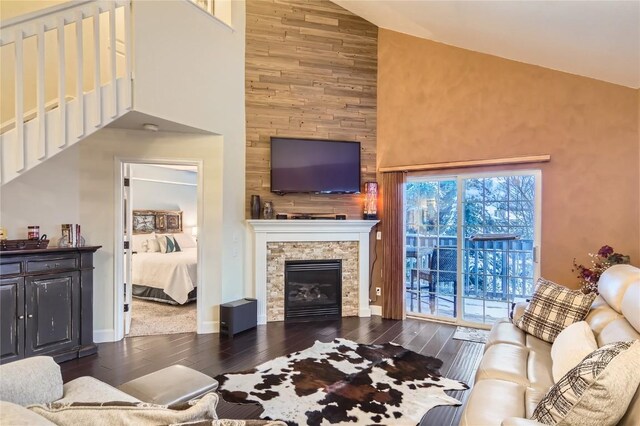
<point>471,244</point>
<point>431,240</point>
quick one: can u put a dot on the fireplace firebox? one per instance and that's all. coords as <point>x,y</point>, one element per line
<point>313,290</point>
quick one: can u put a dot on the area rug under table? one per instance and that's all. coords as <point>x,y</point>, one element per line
<point>344,382</point>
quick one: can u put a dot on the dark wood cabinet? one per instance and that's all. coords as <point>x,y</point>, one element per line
<point>11,318</point>
<point>46,300</point>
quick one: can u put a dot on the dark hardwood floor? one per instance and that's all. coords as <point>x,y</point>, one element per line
<point>133,357</point>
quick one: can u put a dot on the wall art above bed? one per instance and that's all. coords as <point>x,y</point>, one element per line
<point>148,221</point>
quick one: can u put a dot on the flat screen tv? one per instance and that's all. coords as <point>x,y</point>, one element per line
<point>314,166</point>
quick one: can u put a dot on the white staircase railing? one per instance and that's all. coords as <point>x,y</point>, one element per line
<point>88,95</point>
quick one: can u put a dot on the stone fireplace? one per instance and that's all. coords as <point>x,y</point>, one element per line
<point>281,253</point>
<point>279,243</point>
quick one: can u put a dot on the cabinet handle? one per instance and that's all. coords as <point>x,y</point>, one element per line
<point>30,316</point>
<point>21,317</point>
<point>57,265</point>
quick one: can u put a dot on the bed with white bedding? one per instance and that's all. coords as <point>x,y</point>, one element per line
<point>161,276</point>
<point>173,274</point>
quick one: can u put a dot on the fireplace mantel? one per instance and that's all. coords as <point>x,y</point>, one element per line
<point>266,231</point>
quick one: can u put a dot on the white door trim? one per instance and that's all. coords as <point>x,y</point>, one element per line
<point>119,162</point>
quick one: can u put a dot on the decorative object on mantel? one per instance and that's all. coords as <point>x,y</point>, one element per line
<point>344,382</point>
<point>255,207</point>
<point>267,210</point>
<point>370,201</point>
<point>8,245</point>
<point>600,262</point>
<point>3,233</point>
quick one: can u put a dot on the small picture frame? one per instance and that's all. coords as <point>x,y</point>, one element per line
<point>174,222</point>
<point>144,223</point>
<point>161,222</point>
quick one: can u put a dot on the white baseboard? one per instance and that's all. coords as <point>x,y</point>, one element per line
<point>364,312</point>
<point>101,336</point>
<point>262,319</point>
<point>376,310</point>
<point>208,327</point>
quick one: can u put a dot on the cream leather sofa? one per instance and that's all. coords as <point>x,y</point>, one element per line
<point>515,370</point>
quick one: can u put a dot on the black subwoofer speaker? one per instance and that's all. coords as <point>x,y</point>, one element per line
<point>237,316</point>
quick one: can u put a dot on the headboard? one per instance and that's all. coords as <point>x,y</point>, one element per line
<point>148,221</point>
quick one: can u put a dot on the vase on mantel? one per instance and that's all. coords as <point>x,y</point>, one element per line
<point>255,207</point>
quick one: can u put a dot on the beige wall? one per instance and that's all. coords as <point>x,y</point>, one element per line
<point>440,103</point>
<point>37,198</point>
<point>197,79</point>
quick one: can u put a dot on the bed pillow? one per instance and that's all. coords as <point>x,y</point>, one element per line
<point>570,347</point>
<point>168,244</point>
<point>151,246</point>
<point>185,241</point>
<point>552,309</point>
<point>138,241</point>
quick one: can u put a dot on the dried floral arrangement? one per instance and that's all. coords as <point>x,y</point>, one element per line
<point>600,262</point>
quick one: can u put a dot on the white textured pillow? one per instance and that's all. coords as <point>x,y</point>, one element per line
<point>151,246</point>
<point>570,347</point>
<point>185,240</point>
<point>597,391</point>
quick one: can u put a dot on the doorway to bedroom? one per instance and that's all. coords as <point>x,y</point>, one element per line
<point>160,233</point>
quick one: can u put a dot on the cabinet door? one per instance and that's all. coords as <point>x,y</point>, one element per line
<point>53,313</point>
<point>11,319</point>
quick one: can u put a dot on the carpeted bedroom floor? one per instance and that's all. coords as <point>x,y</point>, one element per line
<point>151,318</point>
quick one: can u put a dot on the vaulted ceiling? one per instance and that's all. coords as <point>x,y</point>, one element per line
<point>597,39</point>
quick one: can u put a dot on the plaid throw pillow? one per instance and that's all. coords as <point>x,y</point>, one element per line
<point>597,391</point>
<point>552,309</point>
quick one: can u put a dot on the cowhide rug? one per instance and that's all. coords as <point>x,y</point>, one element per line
<point>344,382</point>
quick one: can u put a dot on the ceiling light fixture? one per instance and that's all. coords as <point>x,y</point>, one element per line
<point>150,127</point>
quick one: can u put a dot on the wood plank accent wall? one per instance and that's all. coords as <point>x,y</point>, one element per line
<point>311,70</point>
